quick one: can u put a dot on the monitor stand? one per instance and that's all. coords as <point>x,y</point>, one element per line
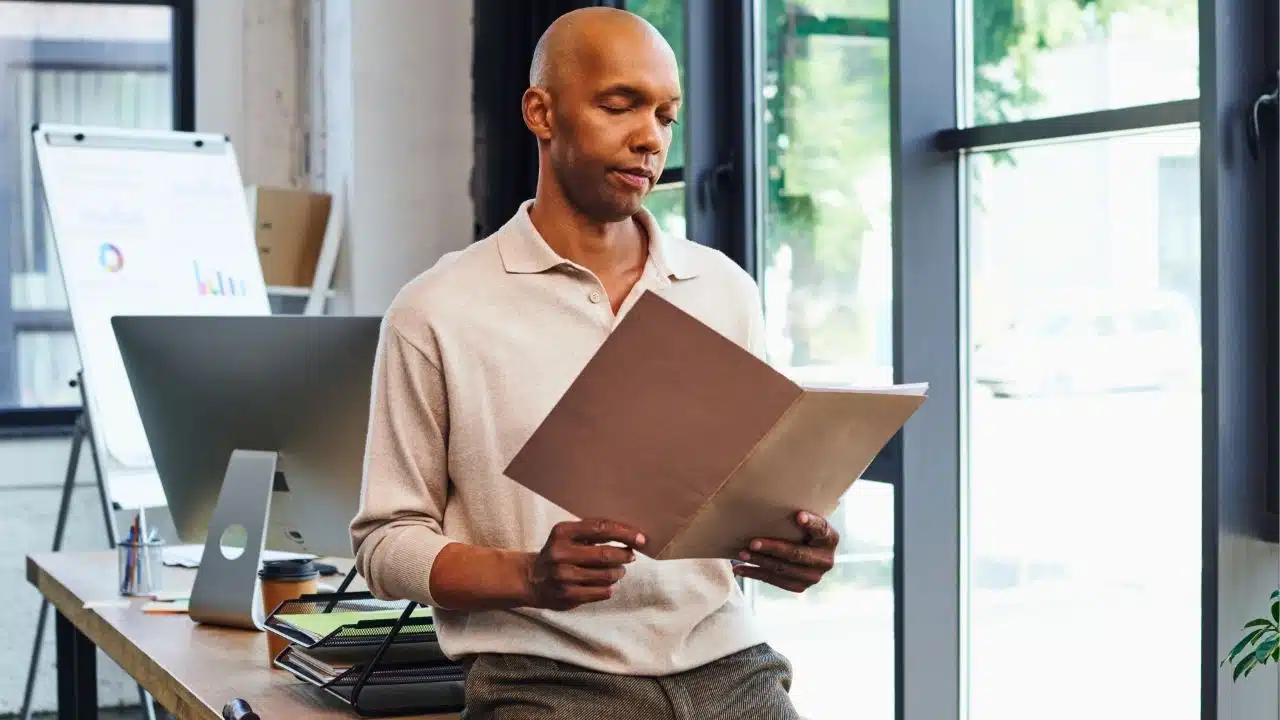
<point>226,590</point>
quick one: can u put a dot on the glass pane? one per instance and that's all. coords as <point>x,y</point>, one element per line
<point>1041,58</point>
<point>1085,428</point>
<point>47,361</point>
<point>826,277</point>
<point>96,64</point>
<point>826,251</point>
<point>668,17</point>
<point>842,9</point>
<point>666,202</point>
<point>839,634</point>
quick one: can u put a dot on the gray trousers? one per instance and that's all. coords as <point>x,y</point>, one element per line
<point>748,685</point>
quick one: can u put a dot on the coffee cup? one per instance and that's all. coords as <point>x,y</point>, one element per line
<point>284,580</point>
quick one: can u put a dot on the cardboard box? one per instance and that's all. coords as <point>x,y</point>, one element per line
<point>289,228</point>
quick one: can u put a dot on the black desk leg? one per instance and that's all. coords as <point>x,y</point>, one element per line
<point>77,673</point>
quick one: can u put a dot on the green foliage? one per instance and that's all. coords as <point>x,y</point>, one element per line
<point>1260,644</point>
<point>1008,35</point>
<point>825,103</point>
<point>668,17</point>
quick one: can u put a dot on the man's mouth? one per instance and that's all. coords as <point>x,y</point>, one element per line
<point>634,178</point>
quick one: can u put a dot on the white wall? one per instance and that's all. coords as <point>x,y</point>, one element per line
<point>395,88</point>
<point>392,116</point>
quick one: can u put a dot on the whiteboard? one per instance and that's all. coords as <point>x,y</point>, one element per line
<point>144,223</point>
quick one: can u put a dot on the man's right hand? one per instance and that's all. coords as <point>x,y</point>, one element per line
<point>575,567</point>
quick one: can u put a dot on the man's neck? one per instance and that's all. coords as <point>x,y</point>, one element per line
<point>606,249</point>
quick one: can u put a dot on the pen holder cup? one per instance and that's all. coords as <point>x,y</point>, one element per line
<point>140,563</point>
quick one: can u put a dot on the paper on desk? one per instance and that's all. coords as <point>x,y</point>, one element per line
<point>188,556</point>
<point>161,607</point>
<point>320,625</point>
<point>680,432</point>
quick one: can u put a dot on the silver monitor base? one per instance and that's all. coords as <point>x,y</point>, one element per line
<point>226,590</point>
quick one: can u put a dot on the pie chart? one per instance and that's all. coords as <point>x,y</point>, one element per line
<point>110,257</point>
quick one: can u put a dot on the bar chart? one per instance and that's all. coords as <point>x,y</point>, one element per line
<point>217,283</point>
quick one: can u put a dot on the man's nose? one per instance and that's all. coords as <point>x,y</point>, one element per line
<point>648,137</point>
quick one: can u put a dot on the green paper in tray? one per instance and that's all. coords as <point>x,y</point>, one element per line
<point>319,625</point>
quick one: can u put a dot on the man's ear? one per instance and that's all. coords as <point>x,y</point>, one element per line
<point>536,105</point>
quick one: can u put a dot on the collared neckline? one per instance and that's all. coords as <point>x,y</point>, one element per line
<point>524,250</point>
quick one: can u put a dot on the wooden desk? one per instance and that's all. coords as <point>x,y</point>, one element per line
<point>192,670</point>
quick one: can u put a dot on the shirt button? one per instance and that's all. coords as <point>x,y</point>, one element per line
<point>594,296</point>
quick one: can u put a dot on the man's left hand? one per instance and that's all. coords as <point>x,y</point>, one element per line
<point>792,566</point>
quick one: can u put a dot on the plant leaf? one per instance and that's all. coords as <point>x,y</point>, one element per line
<point>1275,595</point>
<point>1259,623</point>
<point>1265,647</point>
<point>1275,611</point>
<point>1275,653</point>
<point>1243,668</point>
<point>1245,642</point>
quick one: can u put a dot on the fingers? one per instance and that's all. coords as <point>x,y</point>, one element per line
<point>599,556</point>
<point>600,531</point>
<point>802,555</point>
<point>568,597</point>
<point>805,573</point>
<point>818,531</point>
<point>577,575</point>
<point>763,575</point>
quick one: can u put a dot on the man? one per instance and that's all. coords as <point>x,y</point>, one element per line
<point>556,617</point>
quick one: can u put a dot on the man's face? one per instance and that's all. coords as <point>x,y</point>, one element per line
<point>614,120</point>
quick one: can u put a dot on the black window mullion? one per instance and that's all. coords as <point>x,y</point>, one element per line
<point>719,122</point>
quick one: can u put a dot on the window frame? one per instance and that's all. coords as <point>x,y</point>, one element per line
<point>17,421</point>
<point>927,463</point>
<point>724,144</point>
<point>1240,331</point>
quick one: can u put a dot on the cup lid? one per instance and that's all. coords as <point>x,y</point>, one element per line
<point>291,569</point>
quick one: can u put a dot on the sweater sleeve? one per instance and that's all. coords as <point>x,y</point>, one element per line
<point>399,528</point>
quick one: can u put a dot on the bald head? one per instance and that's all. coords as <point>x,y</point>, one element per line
<point>603,101</point>
<point>578,40</point>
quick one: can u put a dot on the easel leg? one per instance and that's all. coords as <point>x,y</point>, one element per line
<point>73,463</point>
<point>97,466</point>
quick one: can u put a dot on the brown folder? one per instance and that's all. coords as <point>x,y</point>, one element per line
<point>677,430</point>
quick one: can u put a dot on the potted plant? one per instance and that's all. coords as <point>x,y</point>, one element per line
<point>1260,644</point>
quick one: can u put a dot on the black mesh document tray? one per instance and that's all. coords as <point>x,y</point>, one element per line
<point>386,662</point>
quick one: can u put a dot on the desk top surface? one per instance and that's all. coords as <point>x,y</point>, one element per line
<point>190,669</point>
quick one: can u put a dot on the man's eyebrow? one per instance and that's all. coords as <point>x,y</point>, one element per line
<point>631,92</point>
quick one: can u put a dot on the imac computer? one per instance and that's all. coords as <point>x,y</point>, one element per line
<point>257,425</point>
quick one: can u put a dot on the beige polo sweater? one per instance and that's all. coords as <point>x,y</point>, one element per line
<point>474,354</point>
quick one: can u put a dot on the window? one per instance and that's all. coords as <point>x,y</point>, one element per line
<point>667,201</point>
<point>826,243</point>
<point>838,635</point>
<point>1082,250</point>
<point>1005,201</point>
<point>1084,440</point>
<point>111,64</point>
<point>1059,57</point>
<point>826,273</point>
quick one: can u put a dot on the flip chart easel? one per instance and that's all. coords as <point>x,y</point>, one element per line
<point>144,223</point>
